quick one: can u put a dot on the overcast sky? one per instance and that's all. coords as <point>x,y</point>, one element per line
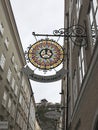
<point>40,16</point>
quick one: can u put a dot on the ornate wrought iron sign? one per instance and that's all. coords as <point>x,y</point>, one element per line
<point>46,54</point>
<point>44,79</point>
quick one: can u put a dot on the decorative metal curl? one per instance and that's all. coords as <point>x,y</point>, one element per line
<point>78,30</point>
<point>76,33</point>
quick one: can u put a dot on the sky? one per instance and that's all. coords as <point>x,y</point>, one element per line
<point>39,16</point>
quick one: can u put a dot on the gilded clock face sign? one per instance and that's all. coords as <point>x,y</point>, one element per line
<point>46,54</point>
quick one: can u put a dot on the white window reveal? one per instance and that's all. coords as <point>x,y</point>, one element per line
<point>9,75</point>
<point>16,67</point>
<point>13,109</point>
<point>13,83</point>
<point>20,98</point>
<point>1,29</point>
<point>2,61</point>
<point>13,58</point>
<point>4,100</point>
<point>81,65</point>
<point>19,75</point>
<point>75,91</point>
<point>6,42</point>
<point>9,104</point>
<point>78,5</point>
<point>16,90</point>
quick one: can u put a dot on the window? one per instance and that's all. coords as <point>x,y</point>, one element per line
<point>6,42</point>
<point>23,104</point>
<point>75,91</point>
<point>1,28</point>
<point>13,83</point>
<point>20,98</point>
<point>25,88</point>
<point>94,21</point>
<point>9,75</point>
<point>78,5</point>
<point>13,58</point>
<point>16,67</point>
<point>23,82</point>
<point>81,64</point>
<point>16,90</point>
<point>9,104</point>
<point>13,109</point>
<point>2,61</point>
<point>18,117</point>
<point>4,101</point>
<point>19,76</point>
<point>95,5</point>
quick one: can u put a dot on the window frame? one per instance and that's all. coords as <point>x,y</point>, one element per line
<point>9,75</point>
<point>1,28</point>
<point>2,61</point>
<point>6,42</point>
<point>93,12</point>
<point>81,66</point>
<point>4,101</point>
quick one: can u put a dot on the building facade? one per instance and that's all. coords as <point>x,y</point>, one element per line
<point>80,85</point>
<point>17,105</point>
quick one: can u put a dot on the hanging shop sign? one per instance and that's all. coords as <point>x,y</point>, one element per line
<point>45,54</point>
<point>53,115</point>
<point>45,79</point>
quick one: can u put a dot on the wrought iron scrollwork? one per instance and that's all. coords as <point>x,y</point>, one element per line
<point>76,33</point>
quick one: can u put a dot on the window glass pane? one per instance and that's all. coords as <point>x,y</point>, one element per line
<point>16,67</point>
<point>1,28</point>
<point>9,104</point>
<point>13,109</point>
<point>6,42</point>
<point>91,16</point>
<point>80,70</point>
<point>22,82</point>
<point>16,90</point>
<point>4,101</point>
<point>13,58</point>
<point>75,88</point>
<point>9,75</point>
<point>83,69</point>
<point>2,61</point>
<point>96,16</point>
<point>93,36</point>
<point>78,4</point>
<point>81,65</point>
<point>13,83</point>
<point>95,4</point>
<point>19,76</point>
<point>20,98</point>
<point>82,55</point>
